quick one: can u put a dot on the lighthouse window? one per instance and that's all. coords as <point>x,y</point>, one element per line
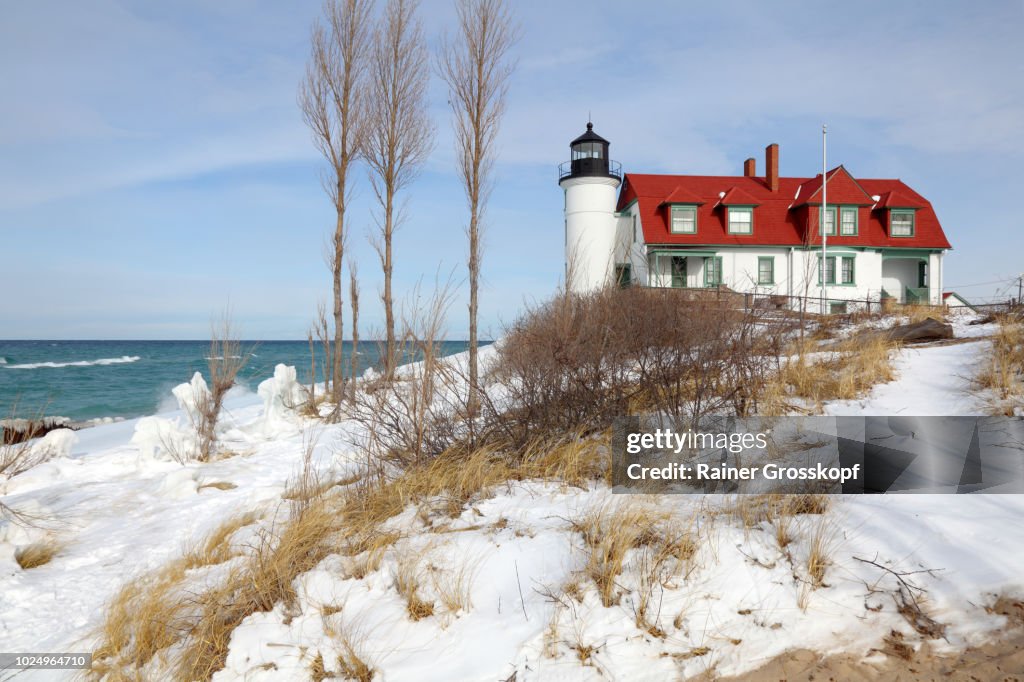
<point>741,220</point>
<point>684,219</point>
<point>586,150</point>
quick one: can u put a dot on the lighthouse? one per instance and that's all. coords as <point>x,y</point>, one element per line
<point>590,180</point>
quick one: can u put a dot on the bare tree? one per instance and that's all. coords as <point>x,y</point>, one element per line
<point>400,133</point>
<point>332,100</point>
<point>353,289</point>
<point>311,393</point>
<point>476,68</point>
<point>323,333</point>
<point>227,358</point>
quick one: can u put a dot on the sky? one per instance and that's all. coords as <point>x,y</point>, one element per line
<point>155,170</point>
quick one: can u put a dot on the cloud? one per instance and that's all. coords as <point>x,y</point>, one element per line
<point>103,95</point>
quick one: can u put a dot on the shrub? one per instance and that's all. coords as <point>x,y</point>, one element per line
<point>1002,370</point>
<point>578,361</point>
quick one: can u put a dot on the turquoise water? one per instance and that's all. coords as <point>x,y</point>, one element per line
<point>89,379</point>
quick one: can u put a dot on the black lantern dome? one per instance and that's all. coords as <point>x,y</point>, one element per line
<point>589,158</point>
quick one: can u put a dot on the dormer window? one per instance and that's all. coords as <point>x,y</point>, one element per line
<point>684,219</point>
<point>901,222</point>
<point>830,221</point>
<point>741,220</point>
<point>848,221</point>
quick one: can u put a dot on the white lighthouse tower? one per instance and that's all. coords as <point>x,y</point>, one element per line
<point>590,180</point>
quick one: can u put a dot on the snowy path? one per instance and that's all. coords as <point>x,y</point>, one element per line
<point>931,381</point>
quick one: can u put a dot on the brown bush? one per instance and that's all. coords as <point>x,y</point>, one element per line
<point>577,362</point>
<point>1002,370</point>
<point>419,412</point>
<point>846,372</point>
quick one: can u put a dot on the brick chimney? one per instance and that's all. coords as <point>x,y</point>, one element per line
<point>771,162</point>
<point>750,168</point>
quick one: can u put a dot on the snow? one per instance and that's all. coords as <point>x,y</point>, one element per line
<point>933,381</point>
<point>280,394</point>
<point>119,507</point>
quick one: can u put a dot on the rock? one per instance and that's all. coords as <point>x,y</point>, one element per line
<point>916,332</point>
<point>20,430</point>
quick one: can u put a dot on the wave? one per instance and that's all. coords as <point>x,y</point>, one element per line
<point>124,359</point>
<point>3,360</point>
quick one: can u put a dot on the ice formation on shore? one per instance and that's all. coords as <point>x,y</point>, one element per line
<point>281,394</point>
<point>162,438</point>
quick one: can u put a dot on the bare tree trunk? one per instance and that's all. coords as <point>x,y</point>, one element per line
<point>332,99</point>
<point>312,373</point>
<point>386,297</point>
<point>226,360</point>
<point>339,322</point>
<point>475,67</point>
<point>400,134</point>
<point>323,332</point>
<point>353,289</point>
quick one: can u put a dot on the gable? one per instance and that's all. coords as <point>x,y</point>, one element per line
<point>842,188</point>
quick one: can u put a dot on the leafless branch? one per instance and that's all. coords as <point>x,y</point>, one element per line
<point>476,67</point>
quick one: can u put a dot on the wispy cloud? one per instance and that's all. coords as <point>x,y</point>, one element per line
<point>107,103</point>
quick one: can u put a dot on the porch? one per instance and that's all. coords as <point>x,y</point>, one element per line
<point>906,277</point>
<point>684,269</point>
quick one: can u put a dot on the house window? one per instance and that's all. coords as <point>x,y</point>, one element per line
<point>830,270</point>
<point>712,271</point>
<point>830,222</point>
<point>624,275</point>
<point>846,274</point>
<point>678,272</point>
<point>848,221</point>
<point>684,219</point>
<point>766,270</point>
<point>901,223</point>
<point>741,220</point>
<point>634,230</point>
<point>922,274</point>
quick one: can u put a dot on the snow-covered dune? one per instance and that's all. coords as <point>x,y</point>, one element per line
<point>117,510</point>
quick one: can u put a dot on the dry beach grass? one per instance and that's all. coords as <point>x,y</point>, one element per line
<point>552,430</point>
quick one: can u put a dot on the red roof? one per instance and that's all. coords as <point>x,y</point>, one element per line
<point>897,199</point>
<point>842,189</point>
<point>737,197</point>
<point>682,196</point>
<point>780,218</point>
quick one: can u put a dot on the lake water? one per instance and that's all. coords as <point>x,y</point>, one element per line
<point>90,379</point>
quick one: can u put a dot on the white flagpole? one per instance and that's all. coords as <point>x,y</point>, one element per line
<point>824,221</point>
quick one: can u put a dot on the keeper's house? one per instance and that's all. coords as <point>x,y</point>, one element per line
<point>749,233</point>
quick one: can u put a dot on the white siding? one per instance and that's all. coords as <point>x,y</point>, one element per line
<point>796,272</point>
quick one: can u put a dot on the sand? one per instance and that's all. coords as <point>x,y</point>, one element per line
<point>898,658</point>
